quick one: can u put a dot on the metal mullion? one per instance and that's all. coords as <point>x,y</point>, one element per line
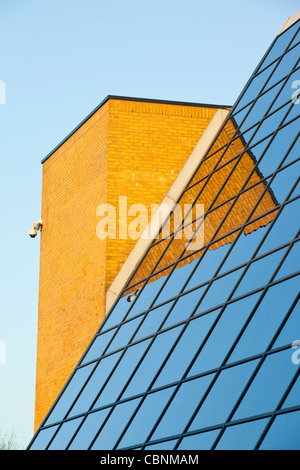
<point>285,52</point>
<point>209,244</point>
<point>269,424</point>
<point>264,91</point>
<point>257,368</point>
<point>235,342</point>
<point>69,409</point>
<point>248,188</point>
<point>225,217</point>
<point>228,145</point>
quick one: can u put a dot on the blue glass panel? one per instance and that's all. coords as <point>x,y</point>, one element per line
<point>88,430</point>
<point>182,407</point>
<point>278,149</point>
<point>151,363</point>
<point>208,266</point>
<point>185,349</point>
<point>293,398</point>
<point>145,418</point>
<point>266,320</point>
<point>65,434</point>
<point>285,65</point>
<point>260,108</point>
<point>283,230</point>
<point>152,321</point>
<point>242,436</point>
<point>281,44</point>
<point>223,335</point>
<point>165,445</point>
<point>295,40</point>
<point>43,438</point>
<point>268,386</point>
<point>254,89</point>
<point>70,393</point>
<point>284,181</point>
<point>94,384</point>
<point>284,433</point>
<point>115,424</point>
<point>219,291</point>
<point>223,395</point>
<point>270,124</point>
<point>291,329</point>
<point>177,278</point>
<point>202,441</point>
<point>146,297</point>
<point>122,373</point>
<point>124,335</point>
<point>117,314</point>
<point>259,273</point>
<point>291,263</point>
<point>184,307</point>
<point>287,91</point>
<point>98,346</point>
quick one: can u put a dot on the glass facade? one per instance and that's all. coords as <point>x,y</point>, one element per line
<point>204,356</point>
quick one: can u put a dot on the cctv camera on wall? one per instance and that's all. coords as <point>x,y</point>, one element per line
<point>36,226</point>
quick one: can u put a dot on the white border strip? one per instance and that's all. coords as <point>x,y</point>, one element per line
<point>169,200</point>
<point>290,20</point>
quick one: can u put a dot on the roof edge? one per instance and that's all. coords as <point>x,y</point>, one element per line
<point>131,98</point>
<point>289,22</point>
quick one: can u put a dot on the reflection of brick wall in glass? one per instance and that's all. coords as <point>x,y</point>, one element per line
<point>201,358</point>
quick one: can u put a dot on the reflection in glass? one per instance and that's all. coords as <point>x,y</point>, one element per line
<point>242,436</point>
<point>284,433</point>
<point>88,430</point>
<point>145,418</point>
<point>223,396</point>
<point>268,385</point>
<point>64,435</point>
<point>115,424</point>
<point>202,441</point>
<point>42,439</point>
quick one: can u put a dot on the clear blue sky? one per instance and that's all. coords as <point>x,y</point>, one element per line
<point>59,59</point>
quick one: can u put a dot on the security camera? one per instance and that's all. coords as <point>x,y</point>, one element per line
<point>132,296</point>
<point>35,227</point>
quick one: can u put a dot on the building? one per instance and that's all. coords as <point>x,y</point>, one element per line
<point>198,349</point>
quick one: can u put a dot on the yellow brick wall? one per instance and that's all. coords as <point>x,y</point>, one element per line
<point>126,148</point>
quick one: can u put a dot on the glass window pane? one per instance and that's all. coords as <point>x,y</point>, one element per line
<point>152,321</point>
<point>281,44</point>
<point>242,436</point>
<point>145,418</point>
<point>151,363</point>
<point>98,346</point>
<point>268,386</point>
<point>115,424</point>
<point>121,374</point>
<point>283,230</point>
<point>223,335</point>
<point>165,445</point>
<point>293,398</point>
<point>291,262</point>
<point>202,441</point>
<point>286,88</point>
<point>70,393</point>
<point>259,273</point>
<point>185,349</point>
<point>117,314</point>
<point>88,430</point>
<point>146,297</point>
<point>94,384</point>
<point>42,439</point>
<point>65,434</point>
<point>182,407</point>
<point>223,396</point>
<point>266,320</point>
<point>286,64</point>
<point>124,335</point>
<point>284,433</point>
<point>184,307</point>
<point>289,333</point>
